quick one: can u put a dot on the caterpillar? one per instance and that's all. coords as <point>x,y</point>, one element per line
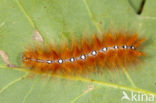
<point>109,50</point>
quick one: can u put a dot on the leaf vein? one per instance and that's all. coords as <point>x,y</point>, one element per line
<point>92,16</point>
<point>12,83</point>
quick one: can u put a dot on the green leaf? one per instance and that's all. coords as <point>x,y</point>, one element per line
<point>58,20</point>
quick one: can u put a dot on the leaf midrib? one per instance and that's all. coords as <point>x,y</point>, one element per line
<point>106,84</point>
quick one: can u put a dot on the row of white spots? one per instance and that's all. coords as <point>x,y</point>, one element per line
<point>83,56</point>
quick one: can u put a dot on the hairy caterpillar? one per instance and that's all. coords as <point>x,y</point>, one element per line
<point>107,51</point>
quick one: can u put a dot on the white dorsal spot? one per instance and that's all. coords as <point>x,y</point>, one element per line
<point>49,61</point>
<point>115,47</point>
<point>83,56</point>
<point>132,47</point>
<point>60,61</point>
<point>125,46</point>
<point>72,59</point>
<point>94,52</point>
<point>104,49</point>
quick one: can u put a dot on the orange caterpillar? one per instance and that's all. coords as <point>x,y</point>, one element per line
<point>108,51</point>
